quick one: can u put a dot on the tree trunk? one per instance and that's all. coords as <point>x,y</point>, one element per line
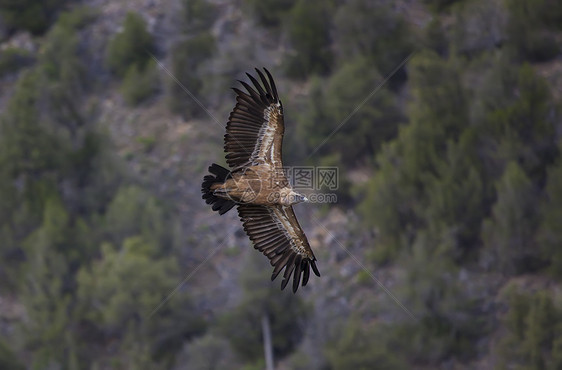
<point>267,345</point>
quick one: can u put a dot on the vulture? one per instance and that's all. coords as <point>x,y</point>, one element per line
<point>256,184</point>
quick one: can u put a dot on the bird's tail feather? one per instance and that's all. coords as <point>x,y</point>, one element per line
<point>219,175</point>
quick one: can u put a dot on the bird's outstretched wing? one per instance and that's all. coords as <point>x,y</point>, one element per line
<point>255,128</point>
<point>276,233</point>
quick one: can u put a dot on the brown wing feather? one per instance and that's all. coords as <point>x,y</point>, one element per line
<point>255,128</point>
<point>276,233</point>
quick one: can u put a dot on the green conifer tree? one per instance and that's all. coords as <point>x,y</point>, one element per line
<point>509,233</point>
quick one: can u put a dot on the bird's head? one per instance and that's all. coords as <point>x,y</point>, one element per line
<point>294,198</point>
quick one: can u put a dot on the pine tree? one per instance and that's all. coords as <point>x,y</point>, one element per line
<point>397,196</point>
<point>120,296</point>
<point>371,30</point>
<point>532,338</point>
<point>284,310</point>
<point>509,233</point>
<point>46,290</point>
<point>131,46</point>
<point>456,196</point>
<point>308,29</point>
<point>550,234</point>
<point>188,56</point>
<point>374,123</point>
<point>541,321</point>
<point>358,346</point>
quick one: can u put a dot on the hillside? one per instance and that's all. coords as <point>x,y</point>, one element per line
<point>442,250</point>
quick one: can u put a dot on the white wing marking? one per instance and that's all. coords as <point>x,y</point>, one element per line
<point>288,229</point>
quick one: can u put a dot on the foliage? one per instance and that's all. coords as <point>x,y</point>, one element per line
<point>528,35</point>
<point>270,13</point>
<point>440,5</point>
<point>449,321</point>
<point>510,114</point>
<point>435,37</point>
<point>463,144</point>
<point>360,347</point>
<point>308,29</point>
<point>509,233</point>
<point>210,352</point>
<point>8,360</point>
<point>366,29</point>
<point>187,57</point>
<point>197,16</point>
<point>285,311</point>
<point>333,106</point>
<point>398,195</point>
<point>433,200</point>
<point>193,48</point>
<point>62,65</point>
<point>34,16</point>
<point>132,46</point>
<point>45,290</point>
<point>437,174</point>
<point>78,17</point>
<point>133,211</point>
<point>533,324</point>
<point>47,145</point>
<point>138,85</point>
<point>27,145</point>
<point>127,286</point>
<point>58,178</point>
<point>550,235</point>
<point>479,26</point>
<point>13,59</point>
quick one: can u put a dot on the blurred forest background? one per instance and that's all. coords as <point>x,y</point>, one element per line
<point>450,184</point>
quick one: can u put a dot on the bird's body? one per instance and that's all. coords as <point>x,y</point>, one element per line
<point>257,184</point>
<point>245,185</point>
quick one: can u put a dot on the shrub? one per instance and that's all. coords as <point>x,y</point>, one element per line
<point>364,29</point>
<point>139,84</point>
<point>308,29</point>
<point>361,347</point>
<point>13,59</point>
<point>187,56</point>
<point>269,13</point>
<point>60,61</point>
<point>35,16</point>
<point>550,235</point>
<point>435,37</point>
<point>206,352</point>
<point>509,232</point>
<point>532,339</point>
<point>374,123</point>
<point>479,26</point>
<point>131,46</point>
<point>439,5</point>
<point>333,110</point>
<point>78,18</point>
<point>285,311</point>
<point>7,358</point>
<point>528,36</point>
<point>118,290</point>
<point>397,197</point>
<point>197,16</point>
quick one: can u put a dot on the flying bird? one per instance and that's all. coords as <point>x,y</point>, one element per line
<point>256,183</point>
